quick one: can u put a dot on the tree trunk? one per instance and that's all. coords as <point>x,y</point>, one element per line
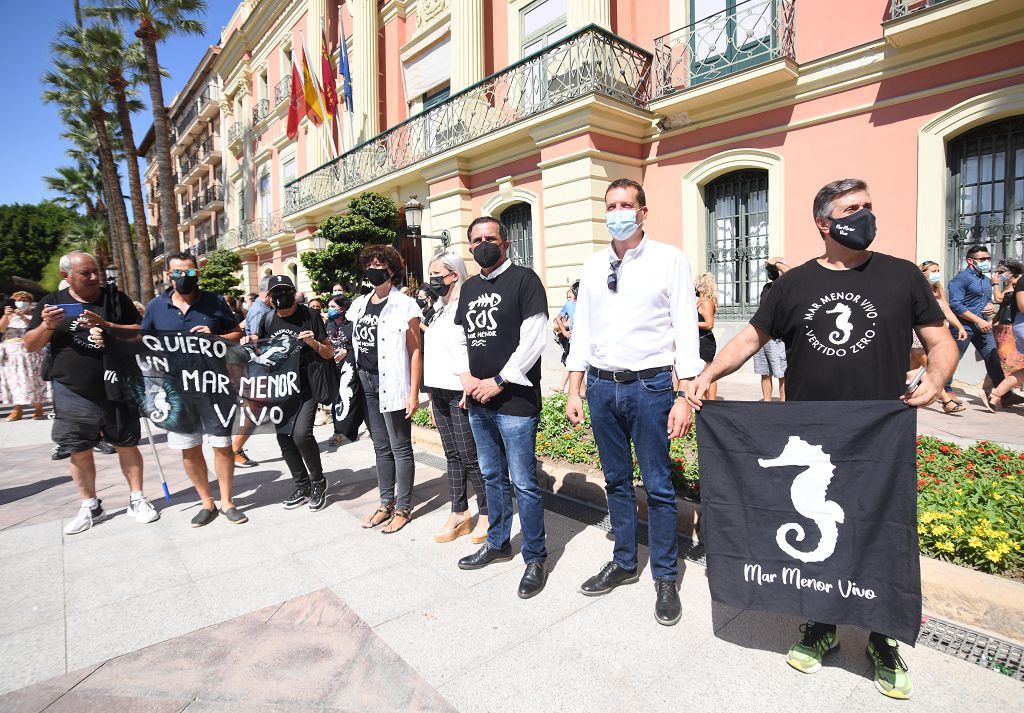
<point>161,131</point>
<point>117,213</point>
<point>135,186</point>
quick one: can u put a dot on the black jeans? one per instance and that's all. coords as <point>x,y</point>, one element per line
<point>391,434</point>
<point>299,448</point>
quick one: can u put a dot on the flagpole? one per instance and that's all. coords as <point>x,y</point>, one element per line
<point>316,87</point>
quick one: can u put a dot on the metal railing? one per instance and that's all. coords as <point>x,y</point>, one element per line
<point>282,90</point>
<point>157,250</point>
<point>589,61</point>
<point>260,111</point>
<point>902,8</point>
<point>185,166</point>
<point>211,93</point>
<point>197,205</point>
<point>1003,240</point>
<point>253,231</point>
<point>213,194</point>
<point>235,132</point>
<point>752,33</point>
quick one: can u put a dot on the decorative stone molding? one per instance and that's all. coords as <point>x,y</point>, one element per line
<point>430,10</point>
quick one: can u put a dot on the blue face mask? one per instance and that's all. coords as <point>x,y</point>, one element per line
<point>332,313</point>
<point>621,223</point>
<point>983,266</point>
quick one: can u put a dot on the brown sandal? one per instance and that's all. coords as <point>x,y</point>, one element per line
<point>953,406</point>
<point>405,514</point>
<point>388,513</point>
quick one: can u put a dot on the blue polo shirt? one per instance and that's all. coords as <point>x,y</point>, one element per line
<point>969,291</point>
<point>209,310</point>
<point>254,316</point>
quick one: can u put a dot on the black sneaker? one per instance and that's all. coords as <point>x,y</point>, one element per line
<point>318,495</point>
<point>60,453</point>
<point>204,517</point>
<point>104,448</point>
<point>297,498</point>
<point>244,461</point>
<point>235,516</point>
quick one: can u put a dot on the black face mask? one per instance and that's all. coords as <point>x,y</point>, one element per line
<point>186,285</point>
<point>282,300</point>
<point>856,231</point>
<point>438,285</point>
<point>487,254</point>
<point>377,276</point>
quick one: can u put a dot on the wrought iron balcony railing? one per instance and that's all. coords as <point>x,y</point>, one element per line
<point>589,61</point>
<point>213,194</point>
<point>211,93</point>
<point>283,89</point>
<point>902,8</point>
<point>751,33</point>
<point>253,231</point>
<point>260,111</point>
<point>235,132</point>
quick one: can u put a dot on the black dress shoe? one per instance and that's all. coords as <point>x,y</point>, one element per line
<point>667,609</point>
<point>610,576</point>
<point>485,556</point>
<point>533,581</point>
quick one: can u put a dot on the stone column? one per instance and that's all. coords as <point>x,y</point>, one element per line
<point>579,13</point>
<point>467,43</point>
<point>365,94</point>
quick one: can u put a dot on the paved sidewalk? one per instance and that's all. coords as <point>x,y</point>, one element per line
<point>300,611</point>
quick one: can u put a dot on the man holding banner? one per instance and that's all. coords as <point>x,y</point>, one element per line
<point>846,319</point>
<point>634,335</point>
<point>184,308</point>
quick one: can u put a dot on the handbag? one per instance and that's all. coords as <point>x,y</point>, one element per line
<point>324,381</point>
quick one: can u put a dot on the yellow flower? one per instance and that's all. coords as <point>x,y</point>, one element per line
<point>1011,477</point>
<point>996,496</point>
<point>993,555</point>
<point>940,529</point>
<point>922,530</point>
<point>975,542</point>
<point>1003,548</point>
<point>945,546</point>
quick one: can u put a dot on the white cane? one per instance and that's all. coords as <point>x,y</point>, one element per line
<point>160,468</point>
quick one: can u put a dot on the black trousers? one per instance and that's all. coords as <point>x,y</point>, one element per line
<point>299,448</point>
<point>459,449</point>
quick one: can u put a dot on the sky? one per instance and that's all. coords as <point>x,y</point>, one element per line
<point>32,128</point>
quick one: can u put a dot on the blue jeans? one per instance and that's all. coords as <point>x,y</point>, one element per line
<point>506,446</point>
<point>637,412</point>
<point>985,343</point>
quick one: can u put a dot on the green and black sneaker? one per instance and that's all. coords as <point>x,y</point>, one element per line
<point>891,675</point>
<point>817,641</point>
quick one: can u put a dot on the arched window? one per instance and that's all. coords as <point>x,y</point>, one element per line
<point>292,270</point>
<point>986,191</point>
<point>737,239</point>
<point>518,222</point>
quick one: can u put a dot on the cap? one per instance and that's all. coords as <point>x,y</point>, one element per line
<point>279,281</point>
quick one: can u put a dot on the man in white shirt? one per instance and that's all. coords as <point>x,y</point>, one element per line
<point>503,314</point>
<point>635,324</point>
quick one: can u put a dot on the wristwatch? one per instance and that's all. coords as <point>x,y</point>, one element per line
<point>680,394</point>
<point>498,381</point>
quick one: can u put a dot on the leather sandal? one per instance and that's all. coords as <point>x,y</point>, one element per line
<point>405,514</point>
<point>387,511</point>
<point>953,406</point>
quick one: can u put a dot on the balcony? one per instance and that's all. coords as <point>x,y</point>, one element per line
<point>260,111</point>
<point>917,22</point>
<point>200,107</point>
<point>753,42</point>
<point>213,198</point>
<point>253,232</point>
<point>588,62</point>
<point>236,133</point>
<point>209,150</point>
<point>283,90</point>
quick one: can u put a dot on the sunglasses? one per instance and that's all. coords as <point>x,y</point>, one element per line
<point>613,278</point>
<point>177,274</point>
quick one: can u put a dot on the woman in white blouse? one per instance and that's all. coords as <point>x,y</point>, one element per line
<point>386,340</point>
<point>445,358</point>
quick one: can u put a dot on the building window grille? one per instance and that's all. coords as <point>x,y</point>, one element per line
<point>518,222</point>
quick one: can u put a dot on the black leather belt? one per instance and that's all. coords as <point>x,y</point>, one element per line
<point>625,377</point>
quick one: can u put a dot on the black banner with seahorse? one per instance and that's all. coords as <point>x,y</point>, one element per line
<point>200,383</point>
<point>810,509</point>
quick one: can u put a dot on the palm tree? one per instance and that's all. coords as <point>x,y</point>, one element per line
<point>75,82</point>
<point>78,187</point>
<point>157,20</point>
<point>89,234</point>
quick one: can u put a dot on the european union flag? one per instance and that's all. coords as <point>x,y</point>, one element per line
<point>345,72</point>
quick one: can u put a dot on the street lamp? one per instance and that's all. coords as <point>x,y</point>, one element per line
<point>413,216</point>
<point>111,274</point>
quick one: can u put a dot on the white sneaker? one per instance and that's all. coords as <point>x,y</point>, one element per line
<point>322,418</point>
<point>142,511</point>
<point>85,519</point>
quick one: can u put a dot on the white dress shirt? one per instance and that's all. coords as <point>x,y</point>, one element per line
<point>649,321</point>
<point>532,335</point>
<point>444,349</point>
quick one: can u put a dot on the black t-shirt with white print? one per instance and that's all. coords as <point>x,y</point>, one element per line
<point>847,332</point>
<point>366,329</point>
<point>491,312</point>
<point>301,320</point>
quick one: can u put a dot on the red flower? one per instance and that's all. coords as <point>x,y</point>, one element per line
<point>944,449</point>
<point>931,457</point>
<point>1003,456</point>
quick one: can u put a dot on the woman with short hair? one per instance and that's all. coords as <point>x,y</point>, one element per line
<point>386,339</point>
<point>445,358</point>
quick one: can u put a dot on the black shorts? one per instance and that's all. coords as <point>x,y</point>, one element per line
<point>707,347</point>
<point>79,423</point>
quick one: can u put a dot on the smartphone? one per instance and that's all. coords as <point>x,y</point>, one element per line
<point>8,303</point>
<point>74,309</point>
<point>916,380</point>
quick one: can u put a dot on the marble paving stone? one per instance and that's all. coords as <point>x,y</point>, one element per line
<point>31,589</point>
<point>319,608</point>
<point>125,578</point>
<point>228,548</point>
<point>32,654</point>
<point>79,702</point>
<point>388,593</point>
<point>21,540</point>
<point>355,554</point>
<point>131,624</point>
<point>236,592</point>
<point>35,698</point>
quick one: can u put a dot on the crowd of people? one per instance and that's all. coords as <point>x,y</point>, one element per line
<point>474,344</point>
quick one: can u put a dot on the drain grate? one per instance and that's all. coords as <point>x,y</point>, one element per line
<point>981,649</point>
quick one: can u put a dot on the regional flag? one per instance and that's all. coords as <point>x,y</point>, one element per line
<point>327,70</point>
<point>297,102</point>
<point>345,71</point>
<point>810,509</point>
<point>311,92</point>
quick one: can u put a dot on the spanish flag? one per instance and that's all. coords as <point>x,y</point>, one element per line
<point>311,91</point>
<point>327,69</point>
<point>297,101</point>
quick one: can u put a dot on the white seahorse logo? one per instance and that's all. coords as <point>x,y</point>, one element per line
<point>844,328</point>
<point>161,406</point>
<point>808,495</point>
<point>345,394</point>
